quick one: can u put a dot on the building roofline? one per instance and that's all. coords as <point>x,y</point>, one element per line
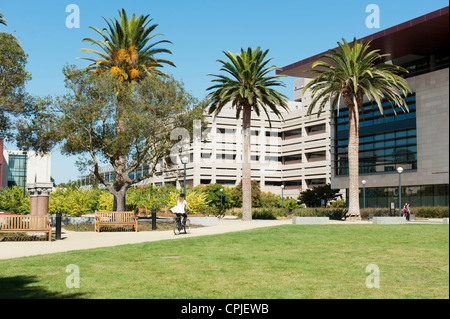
<point>416,36</point>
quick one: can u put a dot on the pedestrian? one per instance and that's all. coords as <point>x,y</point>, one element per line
<point>408,211</point>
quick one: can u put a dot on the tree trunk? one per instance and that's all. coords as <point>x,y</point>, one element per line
<point>246,169</point>
<point>353,163</point>
<point>120,201</point>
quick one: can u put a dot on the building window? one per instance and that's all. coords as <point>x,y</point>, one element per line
<point>292,159</point>
<point>17,171</point>
<point>386,142</point>
<point>317,129</point>
<point>292,134</point>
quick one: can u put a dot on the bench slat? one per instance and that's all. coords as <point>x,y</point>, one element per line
<point>25,223</point>
<point>115,218</point>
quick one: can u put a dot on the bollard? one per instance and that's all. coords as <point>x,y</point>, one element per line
<point>153,218</point>
<point>58,225</point>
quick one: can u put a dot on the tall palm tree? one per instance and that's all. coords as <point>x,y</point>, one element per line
<point>247,87</point>
<point>128,53</point>
<point>2,19</point>
<point>127,50</point>
<point>354,72</point>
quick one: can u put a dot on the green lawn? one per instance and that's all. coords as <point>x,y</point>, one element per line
<point>279,262</point>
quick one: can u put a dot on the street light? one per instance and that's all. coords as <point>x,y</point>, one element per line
<point>400,171</point>
<point>364,192</point>
<point>221,202</point>
<point>282,196</point>
<point>185,160</point>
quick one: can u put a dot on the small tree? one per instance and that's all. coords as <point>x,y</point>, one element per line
<point>14,101</point>
<point>313,197</point>
<point>84,122</point>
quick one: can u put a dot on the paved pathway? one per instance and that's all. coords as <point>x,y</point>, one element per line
<point>71,240</point>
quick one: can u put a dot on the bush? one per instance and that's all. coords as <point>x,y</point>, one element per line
<point>267,213</point>
<point>13,201</point>
<point>431,212</point>
<point>74,201</point>
<point>332,213</point>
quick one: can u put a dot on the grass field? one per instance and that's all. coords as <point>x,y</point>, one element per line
<point>278,262</point>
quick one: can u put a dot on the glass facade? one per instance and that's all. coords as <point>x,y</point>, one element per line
<point>385,141</point>
<point>17,171</point>
<point>423,195</point>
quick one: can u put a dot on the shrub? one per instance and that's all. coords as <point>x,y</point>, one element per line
<point>267,213</point>
<point>332,213</point>
<point>74,201</point>
<point>13,201</point>
<point>431,212</point>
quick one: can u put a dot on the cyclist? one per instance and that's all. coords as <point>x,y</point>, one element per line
<point>180,208</point>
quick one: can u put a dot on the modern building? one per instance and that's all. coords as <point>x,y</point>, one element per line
<point>293,151</point>
<point>19,168</point>
<point>418,140</point>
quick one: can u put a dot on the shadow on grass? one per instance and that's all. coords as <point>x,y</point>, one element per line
<point>22,287</point>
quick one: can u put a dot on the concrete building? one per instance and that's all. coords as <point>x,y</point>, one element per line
<point>293,151</point>
<point>19,168</point>
<point>417,141</point>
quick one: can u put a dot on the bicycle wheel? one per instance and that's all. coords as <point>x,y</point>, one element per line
<point>187,227</point>
<point>176,228</point>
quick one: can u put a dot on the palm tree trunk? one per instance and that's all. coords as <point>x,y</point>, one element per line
<point>246,169</point>
<point>353,163</point>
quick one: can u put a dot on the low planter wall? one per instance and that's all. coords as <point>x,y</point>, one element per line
<point>203,221</point>
<point>73,220</point>
<point>310,220</point>
<point>389,220</point>
<point>445,221</point>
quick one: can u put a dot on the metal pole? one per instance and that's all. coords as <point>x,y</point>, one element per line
<point>153,218</point>
<point>399,195</point>
<point>184,179</point>
<point>58,225</point>
<point>364,196</point>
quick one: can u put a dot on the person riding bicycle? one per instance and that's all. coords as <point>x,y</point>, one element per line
<point>180,208</point>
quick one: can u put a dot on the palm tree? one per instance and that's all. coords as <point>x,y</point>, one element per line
<point>127,50</point>
<point>129,54</point>
<point>353,73</point>
<point>248,87</point>
<point>2,19</point>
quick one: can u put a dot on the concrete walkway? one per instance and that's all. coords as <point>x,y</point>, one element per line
<point>71,240</point>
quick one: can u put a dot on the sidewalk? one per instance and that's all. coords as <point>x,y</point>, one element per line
<point>71,240</point>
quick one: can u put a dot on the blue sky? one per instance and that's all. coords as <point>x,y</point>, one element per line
<point>199,30</point>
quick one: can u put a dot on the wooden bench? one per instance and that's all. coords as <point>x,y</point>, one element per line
<point>115,219</point>
<point>25,224</point>
<point>141,211</point>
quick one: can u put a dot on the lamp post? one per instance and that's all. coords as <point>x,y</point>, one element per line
<point>364,192</point>
<point>400,171</point>
<point>221,201</point>
<point>184,160</point>
<point>282,196</point>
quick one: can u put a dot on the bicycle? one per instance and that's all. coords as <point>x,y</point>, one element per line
<point>178,225</point>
